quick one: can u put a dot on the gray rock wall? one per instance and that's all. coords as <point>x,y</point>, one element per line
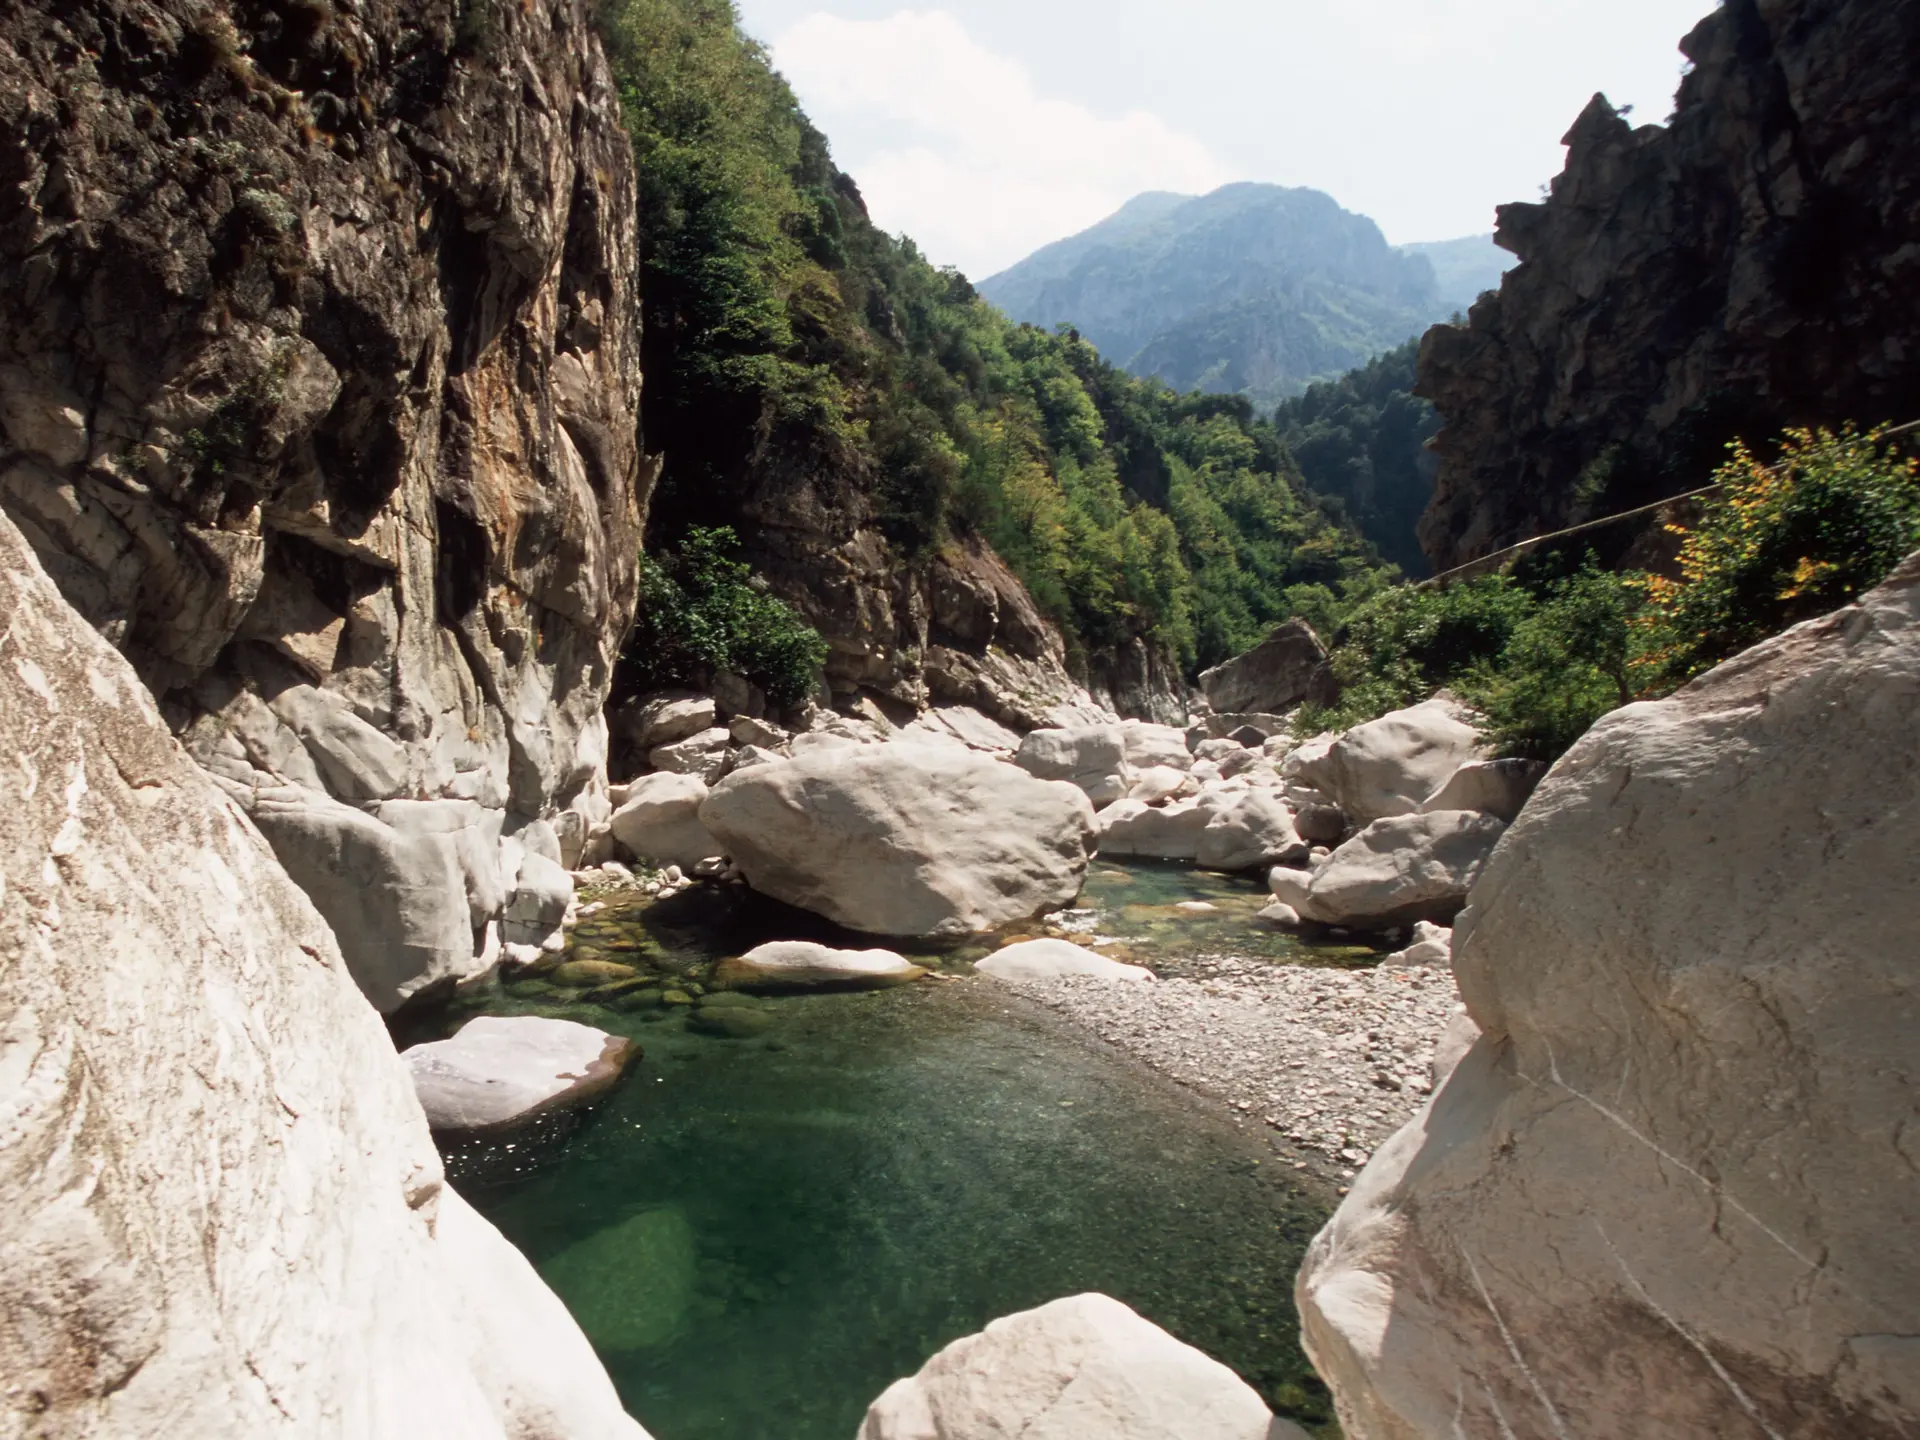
<point>318,396</point>
<point>1751,264</point>
<point>1669,1192</point>
<point>224,1215</point>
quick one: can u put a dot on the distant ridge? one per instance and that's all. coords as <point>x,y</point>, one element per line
<point>1257,290</point>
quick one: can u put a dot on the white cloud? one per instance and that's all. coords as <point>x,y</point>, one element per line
<point>953,145</point>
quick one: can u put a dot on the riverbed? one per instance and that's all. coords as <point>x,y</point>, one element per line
<point>761,1230</point>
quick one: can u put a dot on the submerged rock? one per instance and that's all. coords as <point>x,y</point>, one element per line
<point>632,1284</point>
<point>501,1070</point>
<point>804,965</point>
<point>1054,960</point>
<point>225,1217</point>
<point>905,839</point>
<point>1083,1368</point>
<point>1669,1190</point>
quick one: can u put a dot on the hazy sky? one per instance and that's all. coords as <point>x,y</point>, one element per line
<point>986,128</point>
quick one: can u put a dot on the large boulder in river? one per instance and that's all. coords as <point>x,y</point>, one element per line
<point>225,1217</point>
<point>905,839</point>
<point>1083,1368</point>
<point>1246,830</point>
<point>1669,1192</point>
<point>1167,832</point>
<point>1044,960</point>
<point>1093,757</point>
<point>659,820</point>
<point>1391,765</point>
<point>804,965</point>
<point>1499,787</point>
<point>1272,678</point>
<point>1412,867</point>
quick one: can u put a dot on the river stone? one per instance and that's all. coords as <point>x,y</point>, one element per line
<point>905,839</point>
<point>1669,1192</point>
<point>1391,765</point>
<point>730,1024</point>
<point>1170,832</point>
<point>1290,886</point>
<point>1162,782</point>
<point>501,1070</point>
<point>224,1215</point>
<point>1246,831</point>
<point>1054,960</point>
<point>1093,757</point>
<point>649,723</point>
<point>804,965</point>
<point>1412,867</point>
<point>576,973</point>
<point>1150,746</point>
<point>1272,678</point>
<point>660,821</point>
<point>703,755</point>
<point>630,1285</point>
<point>1083,1368</point>
<point>1498,787</point>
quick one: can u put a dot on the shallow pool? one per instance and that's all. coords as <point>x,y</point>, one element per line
<point>761,1234</point>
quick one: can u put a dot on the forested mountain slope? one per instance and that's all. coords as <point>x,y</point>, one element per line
<point>1255,289</point>
<point>868,425</point>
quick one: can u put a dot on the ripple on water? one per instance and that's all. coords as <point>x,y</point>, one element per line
<point>760,1234</point>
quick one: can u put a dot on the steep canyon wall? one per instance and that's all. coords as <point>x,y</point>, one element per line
<point>1752,264</point>
<point>318,396</point>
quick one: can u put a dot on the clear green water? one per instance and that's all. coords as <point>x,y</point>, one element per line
<point>761,1234</point>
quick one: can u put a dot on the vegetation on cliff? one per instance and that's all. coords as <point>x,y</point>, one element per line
<point>1361,440</point>
<point>1551,645</point>
<point>787,337</point>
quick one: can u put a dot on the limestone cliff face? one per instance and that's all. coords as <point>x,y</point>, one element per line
<point>1753,264</point>
<point>318,392</point>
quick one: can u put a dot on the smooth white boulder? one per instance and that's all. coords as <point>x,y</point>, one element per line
<point>1498,787</point>
<point>1162,782</point>
<point>501,1070</point>
<point>542,891</point>
<point>1247,831</point>
<point>1148,747</point>
<point>1041,960</point>
<point>660,821</point>
<point>1170,832</point>
<point>1431,945</point>
<point>224,1215</point>
<point>1290,886</point>
<point>1411,867</point>
<point>666,719</point>
<point>1093,757</point>
<point>703,755</point>
<point>1083,1368</point>
<point>804,965</point>
<point>1669,1191</point>
<point>1391,765</point>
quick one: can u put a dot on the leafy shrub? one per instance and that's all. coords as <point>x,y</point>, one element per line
<point>1786,542</point>
<point>703,611</point>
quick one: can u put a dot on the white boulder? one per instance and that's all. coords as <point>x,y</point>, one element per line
<point>1093,757</point>
<point>1162,782</point>
<point>1411,867</point>
<point>905,839</point>
<point>1246,831</point>
<point>660,821</point>
<point>1391,765</point>
<point>1497,787</point>
<point>1042,960</point>
<point>499,1071</point>
<point>1669,1192</point>
<point>1170,832</point>
<point>1290,886</point>
<point>1083,1368</point>
<point>1148,746</point>
<point>804,965</point>
<point>1431,945</point>
<point>703,755</point>
<point>658,720</point>
<point>225,1217</point>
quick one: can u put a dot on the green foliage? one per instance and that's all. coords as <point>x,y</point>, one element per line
<point>703,611</point>
<point>1362,440</point>
<point>792,348</point>
<point>1785,542</point>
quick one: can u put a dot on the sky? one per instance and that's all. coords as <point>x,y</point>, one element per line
<point>988,128</point>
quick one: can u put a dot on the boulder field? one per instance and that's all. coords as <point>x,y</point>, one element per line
<point>1668,1191</point>
<point>226,1217</point>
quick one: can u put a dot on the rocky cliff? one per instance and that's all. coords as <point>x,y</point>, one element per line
<point>318,395</point>
<point>1753,264</point>
<point>1669,1191</point>
<point>225,1217</point>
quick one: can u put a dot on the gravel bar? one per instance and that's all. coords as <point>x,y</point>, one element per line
<point>1333,1061</point>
